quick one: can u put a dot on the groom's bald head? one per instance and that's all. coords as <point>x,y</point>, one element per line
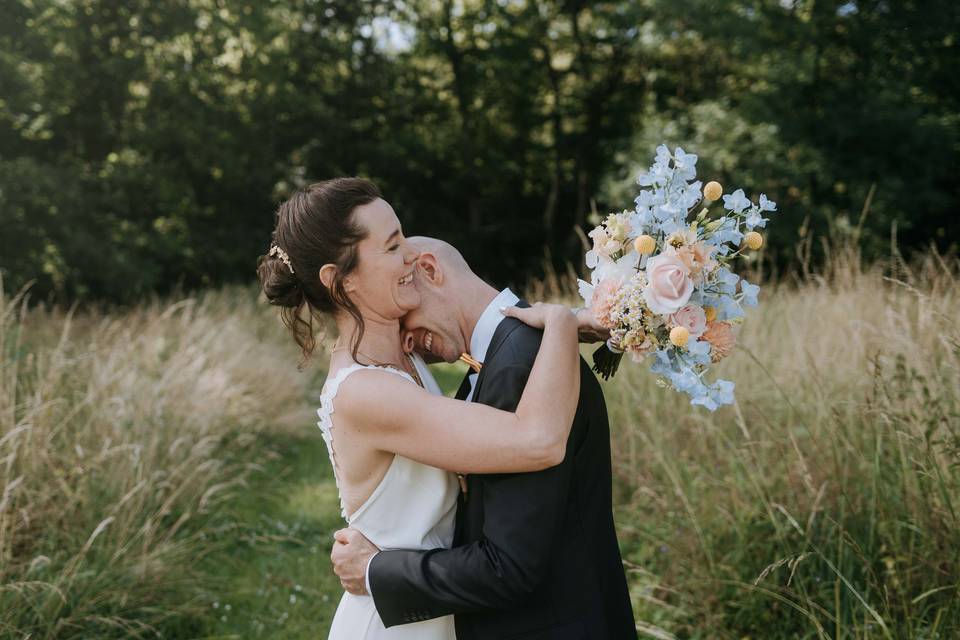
<point>452,297</point>
<point>449,257</point>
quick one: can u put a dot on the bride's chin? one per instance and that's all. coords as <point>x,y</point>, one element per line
<point>409,304</point>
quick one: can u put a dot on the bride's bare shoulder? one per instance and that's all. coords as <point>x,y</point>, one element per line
<point>374,396</point>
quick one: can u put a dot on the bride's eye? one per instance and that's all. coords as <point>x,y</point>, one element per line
<point>394,247</point>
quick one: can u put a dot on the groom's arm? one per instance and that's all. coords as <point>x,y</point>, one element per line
<point>522,512</point>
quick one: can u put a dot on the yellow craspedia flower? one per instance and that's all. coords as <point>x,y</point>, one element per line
<point>713,191</point>
<point>644,244</point>
<point>711,313</point>
<point>753,240</point>
<point>679,336</point>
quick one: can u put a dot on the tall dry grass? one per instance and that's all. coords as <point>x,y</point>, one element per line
<point>120,434</point>
<point>825,503</point>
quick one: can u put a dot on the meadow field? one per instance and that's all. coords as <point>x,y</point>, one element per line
<point>162,475</point>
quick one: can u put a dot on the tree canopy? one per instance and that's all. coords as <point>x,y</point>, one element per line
<point>145,145</point>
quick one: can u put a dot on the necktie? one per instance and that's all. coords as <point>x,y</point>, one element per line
<point>474,364</point>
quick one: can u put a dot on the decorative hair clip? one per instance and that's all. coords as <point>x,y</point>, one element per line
<point>280,253</point>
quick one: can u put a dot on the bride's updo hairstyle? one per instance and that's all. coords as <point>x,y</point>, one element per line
<point>315,226</point>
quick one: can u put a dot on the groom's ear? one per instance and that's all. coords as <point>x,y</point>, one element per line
<point>428,268</point>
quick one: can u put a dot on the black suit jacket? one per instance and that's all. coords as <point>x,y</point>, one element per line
<point>535,555</point>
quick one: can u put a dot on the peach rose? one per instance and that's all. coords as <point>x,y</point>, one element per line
<point>697,257</point>
<point>668,283</point>
<point>692,318</point>
<point>703,253</point>
<point>603,301</point>
<point>721,339</point>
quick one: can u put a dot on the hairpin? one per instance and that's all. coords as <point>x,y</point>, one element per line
<point>280,253</point>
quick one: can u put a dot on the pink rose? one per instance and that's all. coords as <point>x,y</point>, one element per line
<point>692,317</point>
<point>668,283</point>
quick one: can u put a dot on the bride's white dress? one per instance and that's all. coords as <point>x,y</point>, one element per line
<point>413,507</point>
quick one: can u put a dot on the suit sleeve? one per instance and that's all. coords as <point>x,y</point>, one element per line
<point>521,514</point>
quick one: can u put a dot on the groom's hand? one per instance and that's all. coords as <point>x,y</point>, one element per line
<point>350,556</point>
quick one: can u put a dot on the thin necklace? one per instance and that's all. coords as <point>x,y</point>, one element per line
<point>413,367</point>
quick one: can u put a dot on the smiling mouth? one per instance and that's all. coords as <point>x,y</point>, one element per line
<point>428,341</point>
<point>407,279</point>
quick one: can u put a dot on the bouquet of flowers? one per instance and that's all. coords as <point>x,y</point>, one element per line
<point>662,284</point>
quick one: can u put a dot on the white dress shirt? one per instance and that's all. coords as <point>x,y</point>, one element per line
<point>480,340</point>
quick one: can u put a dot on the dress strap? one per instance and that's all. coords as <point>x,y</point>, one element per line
<point>325,412</point>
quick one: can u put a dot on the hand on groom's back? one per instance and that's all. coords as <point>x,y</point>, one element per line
<point>350,556</point>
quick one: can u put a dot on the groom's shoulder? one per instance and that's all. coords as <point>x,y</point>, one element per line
<point>520,344</point>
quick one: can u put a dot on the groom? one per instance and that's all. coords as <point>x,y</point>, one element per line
<point>535,555</point>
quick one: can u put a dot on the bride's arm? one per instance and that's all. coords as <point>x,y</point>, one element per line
<point>392,415</point>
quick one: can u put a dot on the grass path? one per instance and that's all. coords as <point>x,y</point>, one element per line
<point>271,574</point>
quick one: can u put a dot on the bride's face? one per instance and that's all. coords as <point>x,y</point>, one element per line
<point>382,284</point>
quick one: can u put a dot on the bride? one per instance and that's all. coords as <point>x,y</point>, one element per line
<point>395,442</point>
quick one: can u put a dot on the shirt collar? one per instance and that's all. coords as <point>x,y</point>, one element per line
<point>489,321</point>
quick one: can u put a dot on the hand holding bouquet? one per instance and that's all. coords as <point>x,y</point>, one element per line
<point>662,284</point>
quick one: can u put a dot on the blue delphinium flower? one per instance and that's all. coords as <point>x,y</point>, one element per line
<point>750,293</point>
<point>767,204</point>
<point>683,379</point>
<point>672,225</point>
<point>686,164</point>
<point>703,398</point>
<point>729,308</point>
<point>728,233</point>
<point>659,172</point>
<point>715,395</point>
<point>754,219</point>
<point>710,299</point>
<point>662,363</point>
<point>736,202</point>
<point>727,280</point>
<point>698,351</point>
<point>691,195</point>
<point>666,212</point>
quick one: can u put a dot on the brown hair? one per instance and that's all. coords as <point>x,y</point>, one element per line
<point>316,226</point>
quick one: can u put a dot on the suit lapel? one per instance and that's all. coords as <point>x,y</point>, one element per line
<point>504,329</point>
<point>460,521</point>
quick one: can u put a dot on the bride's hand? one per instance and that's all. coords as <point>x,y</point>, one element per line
<point>541,314</point>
